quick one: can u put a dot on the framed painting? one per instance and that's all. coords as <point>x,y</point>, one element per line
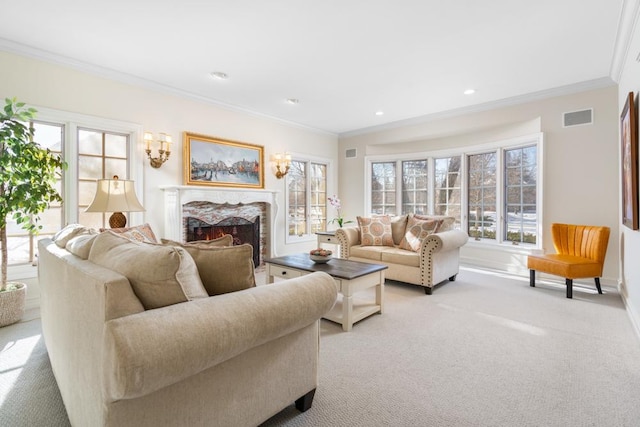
<point>629,136</point>
<point>219,162</point>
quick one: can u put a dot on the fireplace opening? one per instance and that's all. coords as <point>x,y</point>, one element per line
<point>241,229</point>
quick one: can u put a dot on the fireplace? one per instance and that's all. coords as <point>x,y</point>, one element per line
<point>242,230</point>
<point>213,205</point>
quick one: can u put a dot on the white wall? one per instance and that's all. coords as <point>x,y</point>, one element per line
<point>629,240</point>
<point>45,84</point>
<point>581,165</point>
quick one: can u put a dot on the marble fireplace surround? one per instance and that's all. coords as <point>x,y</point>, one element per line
<point>176,196</point>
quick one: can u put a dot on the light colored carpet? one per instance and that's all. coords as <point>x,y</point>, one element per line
<point>486,350</point>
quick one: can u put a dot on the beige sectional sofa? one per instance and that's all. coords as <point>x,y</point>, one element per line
<point>425,257</point>
<point>170,354</point>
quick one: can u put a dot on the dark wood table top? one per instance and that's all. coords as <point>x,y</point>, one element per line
<point>336,267</point>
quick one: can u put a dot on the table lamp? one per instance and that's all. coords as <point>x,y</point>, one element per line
<point>117,196</point>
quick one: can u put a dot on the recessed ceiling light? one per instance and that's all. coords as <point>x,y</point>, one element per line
<point>293,101</point>
<point>469,91</point>
<point>219,75</point>
<point>379,113</point>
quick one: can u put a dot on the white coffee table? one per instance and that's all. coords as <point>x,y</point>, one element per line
<point>350,276</point>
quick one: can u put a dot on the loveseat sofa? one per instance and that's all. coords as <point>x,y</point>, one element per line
<point>135,339</point>
<point>421,250</point>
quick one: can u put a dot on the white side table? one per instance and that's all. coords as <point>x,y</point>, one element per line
<point>328,237</point>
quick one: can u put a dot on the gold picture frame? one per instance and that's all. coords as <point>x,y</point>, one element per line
<point>219,162</point>
<point>629,137</point>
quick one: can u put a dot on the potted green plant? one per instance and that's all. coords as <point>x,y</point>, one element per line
<point>28,175</point>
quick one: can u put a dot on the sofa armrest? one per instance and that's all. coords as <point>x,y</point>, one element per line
<point>147,351</point>
<point>347,237</point>
<point>445,241</point>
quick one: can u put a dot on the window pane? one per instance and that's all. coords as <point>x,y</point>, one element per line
<point>89,142</point>
<point>49,136</point>
<point>89,167</point>
<point>115,167</point>
<point>115,145</point>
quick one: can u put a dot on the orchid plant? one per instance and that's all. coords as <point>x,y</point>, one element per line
<point>335,202</point>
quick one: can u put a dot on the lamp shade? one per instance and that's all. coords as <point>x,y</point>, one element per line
<point>115,195</point>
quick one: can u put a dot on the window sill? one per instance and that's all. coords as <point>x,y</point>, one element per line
<point>21,272</point>
<point>523,248</point>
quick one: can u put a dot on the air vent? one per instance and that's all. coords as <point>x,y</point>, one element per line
<point>351,153</point>
<point>578,118</point>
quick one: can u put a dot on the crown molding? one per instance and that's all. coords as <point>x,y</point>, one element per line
<point>110,74</point>
<point>487,106</point>
<point>626,27</point>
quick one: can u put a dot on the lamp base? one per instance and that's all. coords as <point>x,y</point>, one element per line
<point>117,220</point>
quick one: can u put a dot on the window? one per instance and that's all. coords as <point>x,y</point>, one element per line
<point>306,198</point>
<point>521,185</point>
<point>492,190</point>
<point>93,148</point>
<point>21,244</point>
<point>383,188</point>
<point>448,193</point>
<point>482,196</point>
<point>415,193</point>
<point>101,155</point>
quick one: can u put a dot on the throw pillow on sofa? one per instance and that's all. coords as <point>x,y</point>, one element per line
<point>224,269</point>
<point>417,230</point>
<point>446,223</point>
<point>159,275</point>
<point>139,233</point>
<point>226,240</point>
<point>375,231</point>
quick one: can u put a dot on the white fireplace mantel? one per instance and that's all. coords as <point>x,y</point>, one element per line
<point>175,196</point>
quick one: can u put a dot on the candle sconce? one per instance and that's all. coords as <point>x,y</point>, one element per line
<point>283,163</point>
<point>163,152</point>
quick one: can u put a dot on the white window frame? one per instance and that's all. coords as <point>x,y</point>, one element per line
<point>499,147</point>
<point>71,122</point>
<point>308,236</point>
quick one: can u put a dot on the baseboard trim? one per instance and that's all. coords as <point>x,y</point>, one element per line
<point>634,317</point>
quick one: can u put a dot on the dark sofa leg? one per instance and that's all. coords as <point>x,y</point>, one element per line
<point>453,278</point>
<point>427,290</point>
<point>532,278</point>
<point>304,403</point>
<point>598,285</point>
<point>569,283</point>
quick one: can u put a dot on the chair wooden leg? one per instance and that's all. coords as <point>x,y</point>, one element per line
<point>598,285</point>
<point>304,403</point>
<point>532,278</point>
<point>569,283</point>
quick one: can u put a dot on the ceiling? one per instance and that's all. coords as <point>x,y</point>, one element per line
<point>344,60</point>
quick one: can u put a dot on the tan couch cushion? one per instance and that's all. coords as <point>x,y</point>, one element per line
<point>401,257</point>
<point>375,231</point>
<point>224,269</point>
<point>226,240</point>
<point>159,275</point>
<point>417,231</point>
<point>368,252</point>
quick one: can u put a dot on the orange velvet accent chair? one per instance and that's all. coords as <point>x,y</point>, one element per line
<point>580,254</point>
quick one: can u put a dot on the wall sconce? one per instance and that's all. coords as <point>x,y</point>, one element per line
<point>283,162</point>
<point>117,196</point>
<point>163,152</point>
